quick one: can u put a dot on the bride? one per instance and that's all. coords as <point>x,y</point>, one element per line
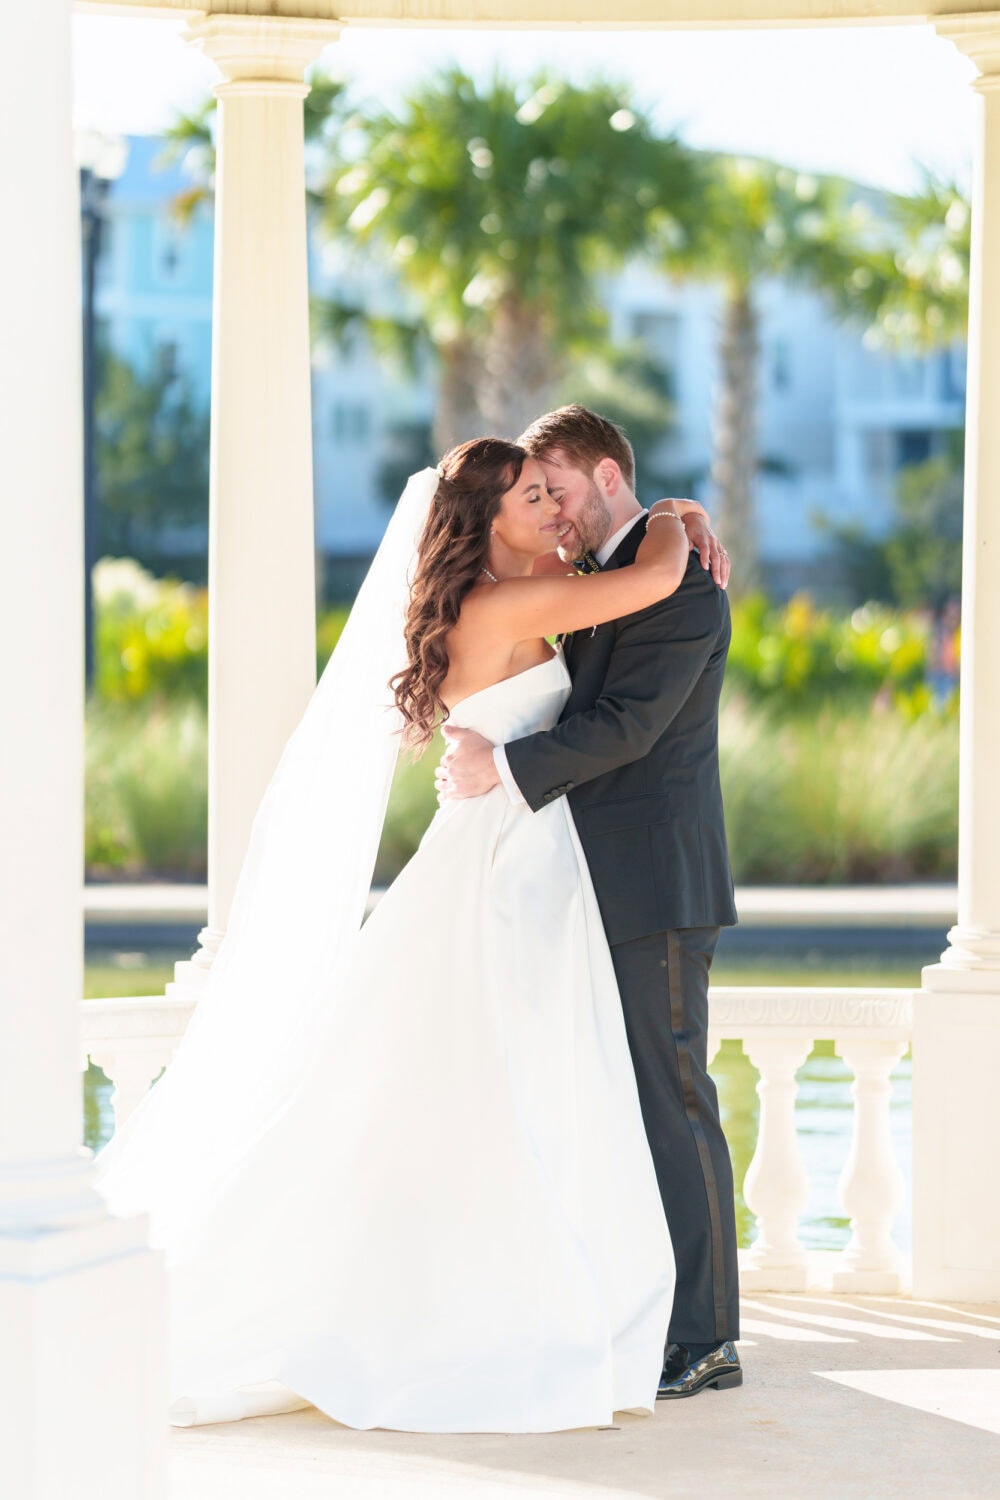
<point>399,1170</point>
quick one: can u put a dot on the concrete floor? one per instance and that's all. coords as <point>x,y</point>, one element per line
<point>851,1398</point>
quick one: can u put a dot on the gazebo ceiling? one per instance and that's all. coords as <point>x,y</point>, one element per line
<point>690,14</point>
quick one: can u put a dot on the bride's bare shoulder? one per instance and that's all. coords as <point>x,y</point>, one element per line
<point>551,565</point>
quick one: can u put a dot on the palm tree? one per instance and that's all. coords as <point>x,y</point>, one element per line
<point>910,281</point>
<point>896,264</point>
<point>756,220</point>
<point>499,206</point>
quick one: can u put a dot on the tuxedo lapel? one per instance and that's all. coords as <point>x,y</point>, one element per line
<point>624,553</point>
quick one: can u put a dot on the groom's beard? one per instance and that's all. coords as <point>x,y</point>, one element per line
<point>591,528</point>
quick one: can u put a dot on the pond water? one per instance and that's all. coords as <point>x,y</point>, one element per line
<point>824,1107</point>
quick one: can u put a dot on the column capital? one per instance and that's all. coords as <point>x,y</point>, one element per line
<point>977,34</point>
<point>261,54</point>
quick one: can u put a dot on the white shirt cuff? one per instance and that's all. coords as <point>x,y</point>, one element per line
<point>510,786</point>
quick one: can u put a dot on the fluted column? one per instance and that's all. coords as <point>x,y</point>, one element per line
<point>262,591</point>
<point>82,1311</point>
<point>956,1041</point>
<point>972,959</point>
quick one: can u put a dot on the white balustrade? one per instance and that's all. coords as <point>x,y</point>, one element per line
<point>871,1184</point>
<point>133,1039</point>
<point>778,1028</point>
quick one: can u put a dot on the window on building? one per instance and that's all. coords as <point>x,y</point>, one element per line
<point>659,332</point>
<point>105,269</point>
<point>879,454</point>
<point>166,358</point>
<point>781,365</point>
<point>349,422</point>
<point>913,447</point>
<point>951,369</point>
<point>171,257</point>
<point>908,376</point>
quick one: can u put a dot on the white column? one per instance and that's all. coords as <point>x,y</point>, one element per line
<point>776,1187</point>
<point>82,1353</point>
<point>871,1184</point>
<point>956,1039</point>
<point>262,590</point>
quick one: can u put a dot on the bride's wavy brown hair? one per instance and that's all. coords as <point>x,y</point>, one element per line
<point>453,548</point>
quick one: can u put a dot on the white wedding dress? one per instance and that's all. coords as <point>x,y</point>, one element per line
<point>454,1225</point>
<point>398,1168</point>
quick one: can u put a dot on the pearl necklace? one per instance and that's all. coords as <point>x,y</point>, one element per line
<point>490,575</point>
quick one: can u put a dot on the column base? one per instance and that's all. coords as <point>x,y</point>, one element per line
<point>956,1125</point>
<point>874,1283</point>
<point>792,1278</point>
<point>83,1363</point>
<point>971,963</point>
<point>191,974</point>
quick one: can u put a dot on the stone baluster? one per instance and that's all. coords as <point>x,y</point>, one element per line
<point>776,1187</point>
<point>130,1065</point>
<point>871,1184</point>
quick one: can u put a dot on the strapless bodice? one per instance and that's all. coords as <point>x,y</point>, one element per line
<point>518,705</point>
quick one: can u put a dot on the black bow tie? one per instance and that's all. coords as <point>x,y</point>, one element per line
<point>587,563</point>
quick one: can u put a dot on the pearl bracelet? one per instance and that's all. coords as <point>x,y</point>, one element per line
<point>666,515</point>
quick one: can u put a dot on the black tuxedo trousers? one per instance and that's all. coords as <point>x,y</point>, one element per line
<point>663,982</point>
<point>636,752</point>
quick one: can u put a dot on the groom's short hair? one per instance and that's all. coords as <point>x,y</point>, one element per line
<point>583,437</point>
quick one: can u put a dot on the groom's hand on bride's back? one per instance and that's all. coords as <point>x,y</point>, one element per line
<point>467,768</point>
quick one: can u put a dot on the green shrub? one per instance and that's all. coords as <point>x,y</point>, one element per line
<point>146,806</point>
<point>842,794</point>
<point>329,624</point>
<point>150,636</point>
<point>839,796</point>
<point>837,765</point>
<point>800,654</point>
<point>412,804</point>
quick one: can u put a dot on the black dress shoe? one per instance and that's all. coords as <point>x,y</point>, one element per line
<point>684,1376</point>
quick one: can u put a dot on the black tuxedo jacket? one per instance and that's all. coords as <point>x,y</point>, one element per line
<point>636,750</point>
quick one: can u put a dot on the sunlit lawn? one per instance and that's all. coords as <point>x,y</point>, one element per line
<point>871,974</point>
<point>106,978</point>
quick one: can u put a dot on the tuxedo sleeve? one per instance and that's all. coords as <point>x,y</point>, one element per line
<point>658,656</point>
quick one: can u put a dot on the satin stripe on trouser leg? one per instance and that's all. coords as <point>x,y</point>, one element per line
<point>663,980</point>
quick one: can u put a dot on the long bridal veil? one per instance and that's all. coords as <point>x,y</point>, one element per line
<point>296,912</point>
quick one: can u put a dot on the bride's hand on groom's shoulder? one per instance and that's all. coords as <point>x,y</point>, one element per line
<point>467,768</point>
<point>703,540</point>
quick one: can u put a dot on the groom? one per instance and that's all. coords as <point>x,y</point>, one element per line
<point>636,752</point>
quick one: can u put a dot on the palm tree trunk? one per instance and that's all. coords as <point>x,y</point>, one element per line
<point>457,416</point>
<point>734,460</point>
<point>518,375</point>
